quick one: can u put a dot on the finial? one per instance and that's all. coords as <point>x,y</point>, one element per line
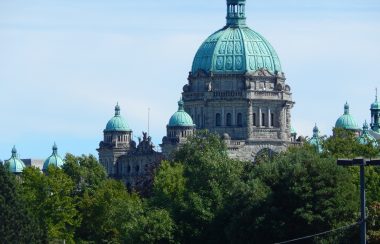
<point>235,13</point>
<point>180,104</point>
<point>117,109</point>
<point>346,108</point>
<point>315,130</point>
<point>55,148</point>
<point>365,126</point>
<point>14,151</point>
<point>376,94</point>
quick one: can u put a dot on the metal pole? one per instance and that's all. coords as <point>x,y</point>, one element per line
<point>362,205</point>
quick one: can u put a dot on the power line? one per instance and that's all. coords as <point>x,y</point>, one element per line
<point>319,234</point>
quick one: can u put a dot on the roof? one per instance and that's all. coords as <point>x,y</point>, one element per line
<point>346,121</point>
<point>117,122</point>
<point>54,159</point>
<point>180,118</point>
<point>366,137</point>
<point>14,164</point>
<point>236,48</point>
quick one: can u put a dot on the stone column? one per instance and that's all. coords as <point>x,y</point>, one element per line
<point>249,120</point>
<point>260,118</point>
<point>269,118</point>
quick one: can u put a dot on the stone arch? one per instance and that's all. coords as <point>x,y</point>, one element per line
<point>264,155</point>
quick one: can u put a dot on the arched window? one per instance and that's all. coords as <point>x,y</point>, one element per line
<point>272,120</point>
<point>229,119</point>
<point>254,119</point>
<point>239,119</point>
<point>137,168</point>
<point>128,168</point>
<point>218,120</point>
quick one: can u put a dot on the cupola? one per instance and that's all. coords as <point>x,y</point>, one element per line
<point>346,121</point>
<point>316,140</point>
<point>117,122</point>
<point>366,137</point>
<point>14,164</point>
<point>54,159</point>
<point>181,118</point>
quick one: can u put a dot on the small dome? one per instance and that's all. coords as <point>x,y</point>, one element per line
<point>236,48</point>
<point>346,121</point>
<point>181,118</point>
<point>54,159</point>
<point>366,137</point>
<point>315,140</point>
<point>117,123</point>
<point>376,104</point>
<point>14,164</point>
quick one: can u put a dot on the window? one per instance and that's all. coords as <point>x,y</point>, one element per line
<point>128,168</point>
<point>229,119</point>
<point>262,119</point>
<point>137,168</point>
<point>272,120</point>
<point>239,120</point>
<point>254,119</point>
<point>218,120</point>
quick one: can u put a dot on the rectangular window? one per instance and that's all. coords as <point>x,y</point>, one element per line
<point>254,119</point>
<point>262,119</point>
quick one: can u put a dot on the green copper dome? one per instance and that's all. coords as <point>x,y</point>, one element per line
<point>180,118</point>
<point>117,123</point>
<point>315,140</point>
<point>236,48</point>
<point>346,121</point>
<point>376,104</point>
<point>54,159</point>
<point>14,164</point>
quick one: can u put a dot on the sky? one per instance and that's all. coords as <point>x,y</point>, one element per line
<point>64,64</point>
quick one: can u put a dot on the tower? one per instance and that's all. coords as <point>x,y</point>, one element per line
<point>117,141</point>
<point>315,140</point>
<point>237,89</point>
<point>180,126</point>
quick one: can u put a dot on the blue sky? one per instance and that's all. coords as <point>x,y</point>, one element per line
<point>65,63</point>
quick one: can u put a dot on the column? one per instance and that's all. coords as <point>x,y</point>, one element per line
<point>269,118</point>
<point>250,119</point>
<point>260,118</point>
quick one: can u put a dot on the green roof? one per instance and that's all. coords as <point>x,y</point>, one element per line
<point>117,123</point>
<point>346,121</point>
<point>365,137</point>
<point>236,48</point>
<point>180,118</point>
<point>376,104</point>
<point>14,164</point>
<point>54,159</point>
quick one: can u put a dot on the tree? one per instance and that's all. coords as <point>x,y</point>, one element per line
<point>50,196</point>
<point>302,194</point>
<point>17,223</point>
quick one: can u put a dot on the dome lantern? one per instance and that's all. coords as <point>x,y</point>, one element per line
<point>236,13</point>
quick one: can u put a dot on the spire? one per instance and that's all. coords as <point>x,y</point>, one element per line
<point>346,108</point>
<point>376,95</point>
<point>55,149</point>
<point>365,127</point>
<point>235,13</point>
<point>117,109</point>
<point>180,105</point>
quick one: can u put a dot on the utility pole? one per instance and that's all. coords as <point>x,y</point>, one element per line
<point>361,162</point>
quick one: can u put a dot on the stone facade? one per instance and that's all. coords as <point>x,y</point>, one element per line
<point>251,110</point>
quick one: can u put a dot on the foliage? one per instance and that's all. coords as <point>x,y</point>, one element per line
<point>17,223</point>
<point>50,197</point>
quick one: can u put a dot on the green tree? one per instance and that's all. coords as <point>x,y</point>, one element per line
<point>113,215</point>
<point>304,194</point>
<point>50,196</point>
<point>17,223</point>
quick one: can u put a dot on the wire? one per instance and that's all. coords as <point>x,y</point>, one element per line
<point>319,234</point>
